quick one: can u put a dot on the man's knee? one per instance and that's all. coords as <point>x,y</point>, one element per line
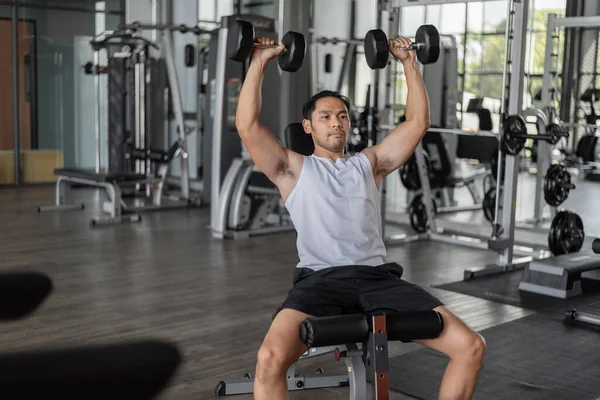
<point>271,362</point>
<point>473,348</point>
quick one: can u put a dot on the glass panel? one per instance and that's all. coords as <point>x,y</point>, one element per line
<point>473,53</point>
<point>485,53</point>
<point>412,18</point>
<point>491,86</point>
<point>453,18</point>
<point>433,15</point>
<point>7,154</point>
<point>539,52</point>
<point>533,87</point>
<point>224,7</point>
<point>492,53</point>
<point>111,5</point>
<point>260,8</point>
<point>475,17</point>
<point>472,85</point>
<point>558,5</point>
<point>59,96</point>
<point>494,16</point>
<point>460,50</point>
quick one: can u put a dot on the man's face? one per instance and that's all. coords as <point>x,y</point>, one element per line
<point>330,124</point>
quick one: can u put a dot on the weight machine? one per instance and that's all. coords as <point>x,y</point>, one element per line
<point>243,201</point>
<point>559,276</point>
<point>135,115</point>
<point>548,99</point>
<point>566,234</point>
<point>511,137</point>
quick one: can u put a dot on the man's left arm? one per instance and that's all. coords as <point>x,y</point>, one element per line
<point>399,144</point>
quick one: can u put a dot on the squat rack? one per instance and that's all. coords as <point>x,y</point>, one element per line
<point>550,76</point>
<point>503,234</point>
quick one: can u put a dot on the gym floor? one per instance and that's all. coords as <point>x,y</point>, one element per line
<point>167,278</point>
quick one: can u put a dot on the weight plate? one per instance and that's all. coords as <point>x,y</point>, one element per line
<point>418,214</point>
<point>555,132</point>
<point>409,174</point>
<point>557,185</point>
<point>376,49</point>
<point>566,233</point>
<point>513,127</point>
<point>429,36</point>
<point>291,58</point>
<point>489,204</point>
<point>240,40</point>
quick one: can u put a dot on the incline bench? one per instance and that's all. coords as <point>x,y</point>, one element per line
<point>341,335</point>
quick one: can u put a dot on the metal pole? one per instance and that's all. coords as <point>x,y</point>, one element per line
<point>515,107</point>
<point>16,105</point>
<point>143,104</point>
<point>98,110</point>
<point>508,34</point>
<point>543,147</point>
<point>281,12</point>
<point>177,110</point>
<point>137,109</point>
<point>215,191</point>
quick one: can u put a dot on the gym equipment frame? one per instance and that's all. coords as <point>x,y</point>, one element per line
<point>243,202</point>
<point>503,234</point>
<point>355,378</point>
<point>373,331</point>
<point>113,183</point>
<point>549,77</point>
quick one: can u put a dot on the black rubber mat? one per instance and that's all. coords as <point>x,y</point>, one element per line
<point>535,357</point>
<point>502,288</point>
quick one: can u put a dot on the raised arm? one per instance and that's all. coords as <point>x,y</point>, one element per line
<point>399,144</point>
<point>265,149</point>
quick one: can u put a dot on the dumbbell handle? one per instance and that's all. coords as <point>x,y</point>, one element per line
<point>267,46</point>
<point>566,185</point>
<point>335,40</point>
<point>414,46</point>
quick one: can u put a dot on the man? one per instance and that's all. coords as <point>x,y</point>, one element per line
<point>333,201</point>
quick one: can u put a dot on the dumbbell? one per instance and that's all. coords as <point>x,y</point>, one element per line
<point>427,45</point>
<point>242,40</point>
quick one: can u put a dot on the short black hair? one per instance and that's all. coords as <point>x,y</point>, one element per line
<point>310,105</point>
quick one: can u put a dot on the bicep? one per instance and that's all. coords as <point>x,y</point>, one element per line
<point>396,147</point>
<point>266,151</point>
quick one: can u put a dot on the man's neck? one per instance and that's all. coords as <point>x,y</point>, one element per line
<point>328,154</point>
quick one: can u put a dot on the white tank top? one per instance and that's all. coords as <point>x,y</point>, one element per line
<point>335,210</point>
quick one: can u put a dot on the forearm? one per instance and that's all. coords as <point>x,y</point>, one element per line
<point>417,101</point>
<point>249,102</point>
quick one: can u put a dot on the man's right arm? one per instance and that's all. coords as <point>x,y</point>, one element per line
<point>266,151</point>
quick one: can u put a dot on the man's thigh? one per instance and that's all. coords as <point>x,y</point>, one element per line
<point>395,294</point>
<point>323,296</point>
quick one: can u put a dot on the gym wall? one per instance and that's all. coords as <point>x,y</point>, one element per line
<point>50,88</point>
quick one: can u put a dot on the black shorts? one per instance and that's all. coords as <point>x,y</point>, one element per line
<point>355,289</point>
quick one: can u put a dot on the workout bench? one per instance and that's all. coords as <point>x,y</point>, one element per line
<point>479,148</point>
<point>342,335</point>
<point>115,208</point>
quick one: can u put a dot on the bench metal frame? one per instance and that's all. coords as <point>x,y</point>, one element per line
<point>355,379</point>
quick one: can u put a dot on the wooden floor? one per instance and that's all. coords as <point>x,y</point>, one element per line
<point>167,278</point>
